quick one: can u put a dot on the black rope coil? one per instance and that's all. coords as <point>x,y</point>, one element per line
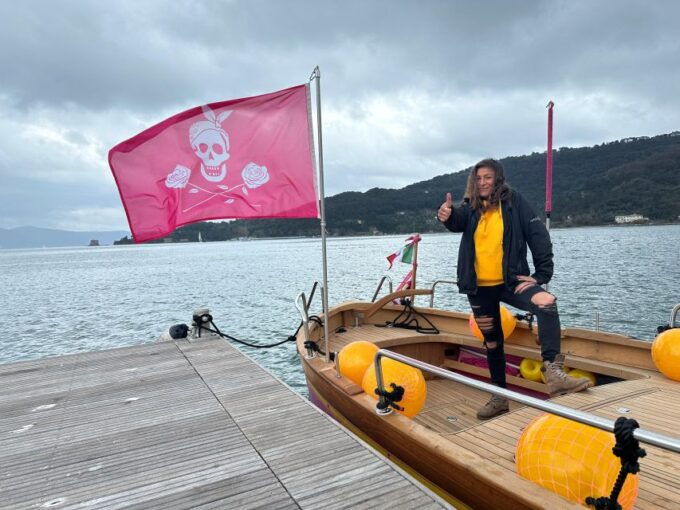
<point>627,448</point>
<point>665,327</point>
<point>527,317</point>
<point>390,398</point>
<point>408,319</point>
<point>311,345</point>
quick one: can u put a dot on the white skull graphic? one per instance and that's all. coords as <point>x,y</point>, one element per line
<point>211,144</point>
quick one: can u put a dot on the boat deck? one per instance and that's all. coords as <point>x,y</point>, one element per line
<point>450,411</point>
<point>497,439</point>
<point>179,425</point>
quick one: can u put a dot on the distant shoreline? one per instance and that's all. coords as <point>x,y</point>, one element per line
<point>103,246</point>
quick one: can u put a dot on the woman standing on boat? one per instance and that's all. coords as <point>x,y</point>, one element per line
<point>497,225</point>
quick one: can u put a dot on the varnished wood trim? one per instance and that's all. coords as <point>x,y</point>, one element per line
<point>395,295</point>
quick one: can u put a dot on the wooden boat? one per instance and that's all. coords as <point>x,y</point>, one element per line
<point>471,462</point>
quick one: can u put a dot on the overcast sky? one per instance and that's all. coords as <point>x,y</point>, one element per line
<point>410,90</point>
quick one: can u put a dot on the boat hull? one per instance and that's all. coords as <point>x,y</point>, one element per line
<point>321,403</point>
<point>459,476</point>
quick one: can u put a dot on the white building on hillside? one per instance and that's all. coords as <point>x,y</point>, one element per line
<point>630,218</point>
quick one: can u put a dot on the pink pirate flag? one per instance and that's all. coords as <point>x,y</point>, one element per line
<point>243,158</point>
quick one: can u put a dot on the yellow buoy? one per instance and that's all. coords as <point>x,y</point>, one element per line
<point>409,378</point>
<point>576,372</point>
<point>355,358</point>
<point>572,460</point>
<point>508,323</point>
<point>666,353</point>
<point>530,369</point>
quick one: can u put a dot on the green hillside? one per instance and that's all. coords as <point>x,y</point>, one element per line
<point>591,185</point>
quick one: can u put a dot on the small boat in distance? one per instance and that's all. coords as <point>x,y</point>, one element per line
<point>471,462</point>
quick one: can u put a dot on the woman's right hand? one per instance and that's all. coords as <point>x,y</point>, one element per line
<point>444,212</point>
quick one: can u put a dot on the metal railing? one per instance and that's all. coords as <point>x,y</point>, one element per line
<point>453,282</point>
<point>303,308</point>
<point>302,304</point>
<point>653,438</point>
<point>377,290</point>
<point>674,313</point>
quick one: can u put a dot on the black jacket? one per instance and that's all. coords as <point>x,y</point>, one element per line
<point>521,227</point>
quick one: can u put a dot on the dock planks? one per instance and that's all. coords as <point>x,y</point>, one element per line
<point>179,425</point>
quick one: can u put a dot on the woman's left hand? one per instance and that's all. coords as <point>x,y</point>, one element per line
<point>525,283</point>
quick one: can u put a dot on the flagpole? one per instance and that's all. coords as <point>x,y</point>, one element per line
<point>415,266</point>
<point>322,209</point>
<point>548,170</point>
<point>548,167</point>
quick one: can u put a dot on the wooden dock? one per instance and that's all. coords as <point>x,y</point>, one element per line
<point>179,425</point>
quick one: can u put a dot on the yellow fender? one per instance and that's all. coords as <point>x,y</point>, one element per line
<point>508,323</point>
<point>575,372</point>
<point>530,369</point>
<point>666,353</point>
<point>571,459</point>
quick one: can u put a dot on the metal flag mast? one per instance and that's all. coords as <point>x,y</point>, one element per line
<point>316,74</point>
<point>548,171</point>
<point>548,167</point>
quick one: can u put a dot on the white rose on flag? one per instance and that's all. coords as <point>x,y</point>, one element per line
<point>254,175</point>
<point>178,178</point>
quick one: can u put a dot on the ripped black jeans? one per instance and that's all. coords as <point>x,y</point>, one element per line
<point>486,303</point>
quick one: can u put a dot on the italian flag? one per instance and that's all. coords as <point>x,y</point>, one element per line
<point>404,254</point>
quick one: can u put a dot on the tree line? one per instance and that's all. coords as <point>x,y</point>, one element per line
<point>591,185</point>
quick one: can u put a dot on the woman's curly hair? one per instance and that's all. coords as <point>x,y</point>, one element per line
<point>500,191</point>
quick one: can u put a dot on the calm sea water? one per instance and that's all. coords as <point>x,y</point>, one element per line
<point>57,301</point>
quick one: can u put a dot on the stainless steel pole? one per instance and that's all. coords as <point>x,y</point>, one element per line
<point>646,436</point>
<point>322,209</point>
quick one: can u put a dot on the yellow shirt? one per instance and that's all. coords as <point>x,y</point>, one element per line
<point>489,248</point>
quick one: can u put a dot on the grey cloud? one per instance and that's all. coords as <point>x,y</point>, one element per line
<point>145,54</point>
<point>410,90</point>
<point>24,201</point>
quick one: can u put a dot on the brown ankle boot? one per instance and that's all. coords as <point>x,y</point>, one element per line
<point>559,383</point>
<point>497,405</point>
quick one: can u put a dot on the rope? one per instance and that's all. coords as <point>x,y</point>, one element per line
<point>661,329</point>
<point>410,320</point>
<point>206,318</point>
<point>627,448</point>
<point>528,317</point>
<point>313,346</point>
<point>390,398</point>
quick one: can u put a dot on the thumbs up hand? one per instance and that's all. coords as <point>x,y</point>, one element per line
<point>444,212</point>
